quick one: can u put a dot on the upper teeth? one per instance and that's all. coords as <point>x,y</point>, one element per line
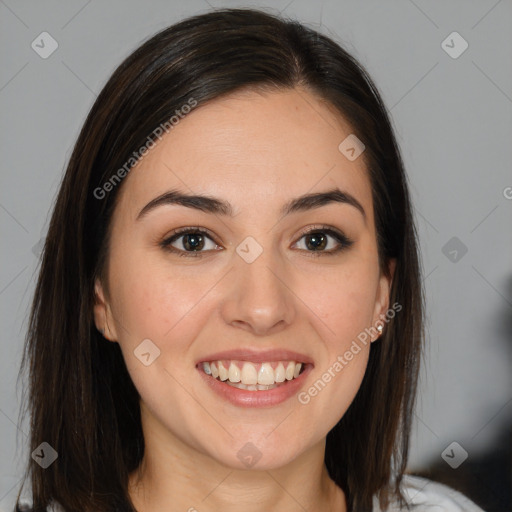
<point>251,373</point>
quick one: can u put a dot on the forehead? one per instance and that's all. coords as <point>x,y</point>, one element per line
<point>250,148</point>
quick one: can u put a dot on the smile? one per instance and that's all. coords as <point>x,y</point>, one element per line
<point>253,376</point>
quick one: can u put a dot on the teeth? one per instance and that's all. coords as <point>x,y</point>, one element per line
<point>290,370</point>
<point>249,376</point>
<point>234,373</point>
<point>223,373</point>
<point>280,374</point>
<point>252,387</point>
<point>266,374</point>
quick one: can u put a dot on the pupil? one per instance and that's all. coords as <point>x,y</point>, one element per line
<point>193,241</point>
<point>317,240</point>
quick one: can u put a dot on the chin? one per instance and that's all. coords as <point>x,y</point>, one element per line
<point>266,454</point>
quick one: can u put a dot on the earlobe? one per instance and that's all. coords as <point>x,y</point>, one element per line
<point>102,315</point>
<point>382,299</point>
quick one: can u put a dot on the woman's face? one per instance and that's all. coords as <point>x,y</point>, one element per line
<point>255,287</point>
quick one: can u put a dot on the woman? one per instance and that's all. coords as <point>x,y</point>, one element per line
<point>229,308</point>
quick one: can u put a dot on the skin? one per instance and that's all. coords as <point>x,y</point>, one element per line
<point>257,151</point>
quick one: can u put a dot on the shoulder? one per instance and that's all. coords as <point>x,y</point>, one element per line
<point>429,496</point>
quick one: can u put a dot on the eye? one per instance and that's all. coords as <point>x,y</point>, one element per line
<point>194,241</point>
<point>318,241</point>
<point>324,240</point>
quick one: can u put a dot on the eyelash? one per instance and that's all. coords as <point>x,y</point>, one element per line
<point>338,236</point>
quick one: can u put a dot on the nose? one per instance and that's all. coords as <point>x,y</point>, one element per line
<point>259,296</point>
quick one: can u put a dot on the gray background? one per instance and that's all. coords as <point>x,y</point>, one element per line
<point>453,120</point>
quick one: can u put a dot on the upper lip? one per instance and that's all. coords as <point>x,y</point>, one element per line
<point>254,356</point>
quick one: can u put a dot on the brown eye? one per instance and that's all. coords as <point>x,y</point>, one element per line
<point>319,240</point>
<point>315,241</point>
<point>193,242</point>
<point>189,242</point>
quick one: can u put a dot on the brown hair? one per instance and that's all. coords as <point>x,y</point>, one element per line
<point>81,398</point>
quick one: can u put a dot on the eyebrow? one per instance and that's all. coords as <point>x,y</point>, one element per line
<point>209,204</point>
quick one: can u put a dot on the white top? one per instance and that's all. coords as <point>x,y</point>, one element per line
<point>429,496</point>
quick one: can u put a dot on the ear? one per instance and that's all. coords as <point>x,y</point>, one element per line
<point>382,298</point>
<point>103,318</point>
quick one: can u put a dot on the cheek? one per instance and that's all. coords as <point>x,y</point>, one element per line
<point>156,301</point>
<point>161,305</point>
<point>343,299</point>
<point>352,312</point>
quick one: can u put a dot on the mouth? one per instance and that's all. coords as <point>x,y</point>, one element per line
<point>251,376</point>
<point>248,378</point>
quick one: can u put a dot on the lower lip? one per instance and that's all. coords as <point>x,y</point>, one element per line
<point>264,398</point>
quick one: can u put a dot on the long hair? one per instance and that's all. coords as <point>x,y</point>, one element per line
<point>80,396</point>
